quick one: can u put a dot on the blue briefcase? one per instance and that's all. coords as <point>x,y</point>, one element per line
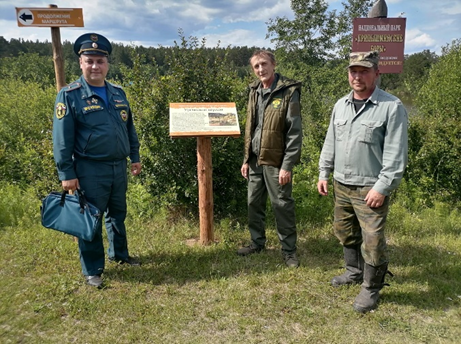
<point>70,214</point>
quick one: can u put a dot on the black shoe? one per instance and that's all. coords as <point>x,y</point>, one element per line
<point>94,281</point>
<point>250,249</point>
<point>130,261</point>
<point>291,260</point>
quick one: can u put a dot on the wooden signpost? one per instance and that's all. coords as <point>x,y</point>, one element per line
<point>54,18</point>
<point>203,121</point>
<point>49,17</point>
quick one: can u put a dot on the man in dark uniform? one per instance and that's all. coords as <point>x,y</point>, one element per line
<point>93,134</point>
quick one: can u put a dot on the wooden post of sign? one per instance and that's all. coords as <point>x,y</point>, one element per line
<point>205,189</point>
<point>58,64</point>
<point>57,56</point>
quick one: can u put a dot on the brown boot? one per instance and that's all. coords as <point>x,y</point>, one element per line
<point>373,282</point>
<point>354,267</point>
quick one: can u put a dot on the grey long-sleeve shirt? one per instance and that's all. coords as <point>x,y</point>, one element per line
<point>367,148</point>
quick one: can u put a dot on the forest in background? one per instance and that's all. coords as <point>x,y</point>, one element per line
<point>312,49</point>
<point>187,293</point>
<point>416,65</point>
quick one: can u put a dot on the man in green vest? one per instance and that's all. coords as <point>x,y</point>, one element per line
<point>273,139</point>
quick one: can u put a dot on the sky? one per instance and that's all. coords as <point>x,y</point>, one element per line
<point>430,24</point>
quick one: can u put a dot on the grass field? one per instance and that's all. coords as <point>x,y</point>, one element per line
<point>186,293</point>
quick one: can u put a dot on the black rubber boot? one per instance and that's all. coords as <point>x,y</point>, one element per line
<point>373,282</point>
<point>354,267</point>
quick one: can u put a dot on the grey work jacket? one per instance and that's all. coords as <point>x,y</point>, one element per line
<point>368,148</point>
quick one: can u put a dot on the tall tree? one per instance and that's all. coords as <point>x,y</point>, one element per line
<point>316,33</point>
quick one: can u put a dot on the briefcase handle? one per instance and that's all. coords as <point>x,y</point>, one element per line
<point>81,199</point>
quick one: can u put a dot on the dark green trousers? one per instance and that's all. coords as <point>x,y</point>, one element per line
<point>264,181</point>
<point>105,185</point>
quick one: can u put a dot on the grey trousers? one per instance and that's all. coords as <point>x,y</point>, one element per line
<point>264,180</point>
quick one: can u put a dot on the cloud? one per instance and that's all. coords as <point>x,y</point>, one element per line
<point>268,10</point>
<point>452,9</point>
<point>417,38</point>
<point>236,38</point>
<point>236,22</point>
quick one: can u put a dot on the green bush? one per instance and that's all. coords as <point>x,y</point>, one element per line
<point>26,155</point>
<point>323,86</point>
<point>18,207</point>
<point>28,68</point>
<point>170,165</point>
<point>435,131</point>
<point>441,218</point>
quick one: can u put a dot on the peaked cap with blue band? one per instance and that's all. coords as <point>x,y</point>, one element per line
<point>92,44</point>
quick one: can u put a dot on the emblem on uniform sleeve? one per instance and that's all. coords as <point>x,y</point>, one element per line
<point>276,103</point>
<point>124,115</point>
<point>60,110</point>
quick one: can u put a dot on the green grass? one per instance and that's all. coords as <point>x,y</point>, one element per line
<point>187,293</point>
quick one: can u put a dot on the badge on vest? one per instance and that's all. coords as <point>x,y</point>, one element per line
<point>276,103</point>
<point>124,115</point>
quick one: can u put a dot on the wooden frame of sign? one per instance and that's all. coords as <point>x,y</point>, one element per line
<point>203,121</point>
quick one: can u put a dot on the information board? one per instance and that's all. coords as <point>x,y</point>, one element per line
<point>203,119</point>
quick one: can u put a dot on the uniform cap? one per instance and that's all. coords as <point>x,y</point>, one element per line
<point>92,44</point>
<point>367,59</point>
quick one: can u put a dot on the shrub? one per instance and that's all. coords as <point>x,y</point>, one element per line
<point>26,155</point>
<point>435,131</point>
<point>170,165</point>
<point>18,207</point>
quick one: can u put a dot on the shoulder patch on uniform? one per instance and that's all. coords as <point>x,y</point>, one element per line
<point>72,86</point>
<point>61,110</point>
<point>124,115</point>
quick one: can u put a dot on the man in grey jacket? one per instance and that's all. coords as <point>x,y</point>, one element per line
<point>273,138</point>
<point>366,148</point>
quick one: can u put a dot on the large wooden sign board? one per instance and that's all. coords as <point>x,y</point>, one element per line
<point>203,119</point>
<point>385,35</point>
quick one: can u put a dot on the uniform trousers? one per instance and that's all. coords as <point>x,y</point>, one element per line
<point>104,184</point>
<point>262,181</point>
<point>356,224</point>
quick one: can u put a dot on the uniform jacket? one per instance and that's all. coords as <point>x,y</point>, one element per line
<point>281,134</point>
<point>368,148</point>
<point>84,127</point>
